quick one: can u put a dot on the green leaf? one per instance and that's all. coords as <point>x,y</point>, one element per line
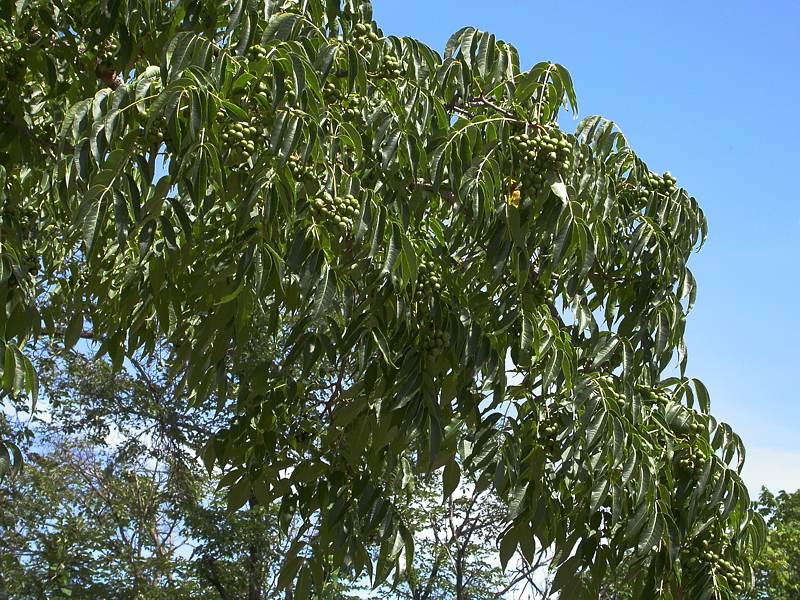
<point>239,494</point>
<point>516,504</point>
<point>566,571</point>
<point>383,346</point>
<point>450,478</point>
<point>508,545</point>
<point>74,330</point>
<point>603,349</point>
<point>599,493</point>
<point>393,250</point>
<point>702,395</point>
<point>291,565</point>
<point>9,368</point>
<point>31,380</point>
<point>560,190</point>
<point>325,291</point>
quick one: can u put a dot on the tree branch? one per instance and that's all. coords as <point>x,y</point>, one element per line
<point>481,101</point>
<point>210,572</point>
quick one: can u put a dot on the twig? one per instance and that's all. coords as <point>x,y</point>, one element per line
<point>485,102</point>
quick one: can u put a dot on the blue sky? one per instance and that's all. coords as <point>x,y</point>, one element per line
<point>707,91</point>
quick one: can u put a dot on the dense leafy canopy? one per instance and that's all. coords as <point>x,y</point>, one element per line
<point>374,260</point>
<point>777,570</point>
<point>113,504</point>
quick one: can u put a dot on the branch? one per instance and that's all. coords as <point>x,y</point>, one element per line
<point>337,389</point>
<point>471,523</point>
<point>486,103</point>
<point>213,577</point>
<point>462,112</point>
<point>426,592</point>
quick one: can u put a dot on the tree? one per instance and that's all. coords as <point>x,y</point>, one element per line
<point>777,571</point>
<point>456,553</point>
<point>195,180</point>
<point>74,529</point>
<point>114,503</point>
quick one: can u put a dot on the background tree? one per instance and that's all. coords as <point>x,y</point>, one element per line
<point>489,294</point>
<point>778,569</point>
<point>113,502</point>
<point>456,553</point>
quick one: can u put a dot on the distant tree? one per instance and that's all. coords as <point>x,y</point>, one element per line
<point>456,549</point>
<point>73,527</point>
<point>114,503</point>
<point>777,570</point>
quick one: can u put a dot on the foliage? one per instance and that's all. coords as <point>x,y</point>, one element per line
<point>113,503</point>
<point>376,261</point>
<point>777,570</point>
<point>456,553</point>
<point>72,529</point>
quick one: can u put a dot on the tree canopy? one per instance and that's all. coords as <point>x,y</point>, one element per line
<point>113,502</point>
<point>373,260</point>
<point>777,570</point>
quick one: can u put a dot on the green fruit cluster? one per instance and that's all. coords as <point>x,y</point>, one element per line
<point>23,219</point>
<point>434,343</point>
<point>256,89</point>
<point>331,91</point>
<point>108,49</point>
<point>733,575</point>
<point>365,35</point>
<point>656,397</point>
<point>339,211</point>
<point>7,43</point>
<point>548,434</point>
<point>12,61</point>
<point>354,107</point>
<point>606,379</point>
<point>637,196</point>
<point>298,169</point>
<point>709,554</point>
<point>610,391</point>
<point>540,155</point>
<point>261,90</point>
<point>543,294</point>
<point>429,281</point>
<point>15,67</point>
<point>390,67</point>
<point>256,52</point>
<point>549,430</point>
<point>240,137</point>
<point>692,459</point>
<point>664,184</point>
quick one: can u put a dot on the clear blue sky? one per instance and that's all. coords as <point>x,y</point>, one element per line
<point>708,91</point>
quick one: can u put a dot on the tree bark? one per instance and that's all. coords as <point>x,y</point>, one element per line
<point>460,592</point>
<point>254,572</point>
<point>255,559</point>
